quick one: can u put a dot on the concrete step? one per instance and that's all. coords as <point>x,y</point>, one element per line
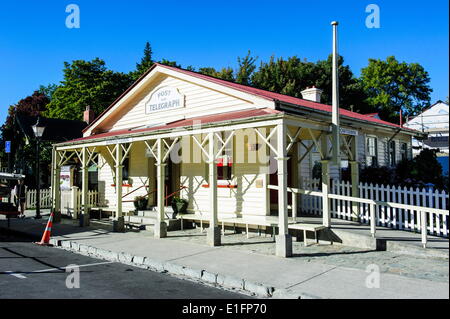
<point>146,213</point>
<point>143,220</point>
<point>152,211</point>
<point>395,241</point>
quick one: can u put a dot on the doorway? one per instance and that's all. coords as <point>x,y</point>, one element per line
<point>273,180</point>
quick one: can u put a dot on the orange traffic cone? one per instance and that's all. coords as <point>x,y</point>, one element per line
<point>45,241</point>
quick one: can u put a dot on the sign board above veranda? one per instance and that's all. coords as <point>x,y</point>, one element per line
<point>164,98</point>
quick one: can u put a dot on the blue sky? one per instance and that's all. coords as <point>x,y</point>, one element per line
<point>34,41</point>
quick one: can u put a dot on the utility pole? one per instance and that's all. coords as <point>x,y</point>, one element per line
<point>335,99</point>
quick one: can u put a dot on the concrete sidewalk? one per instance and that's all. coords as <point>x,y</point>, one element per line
<point>240,269</point>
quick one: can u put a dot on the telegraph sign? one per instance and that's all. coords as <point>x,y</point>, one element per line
<point>164,98</point>
<point>7,146</point>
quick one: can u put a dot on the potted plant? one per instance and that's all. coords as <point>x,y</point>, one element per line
<point>179,206</point>
<point>140,202</point>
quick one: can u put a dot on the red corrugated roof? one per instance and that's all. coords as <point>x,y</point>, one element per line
<point>201,120</point>
<point>283,98</point>
<point>261,93</point>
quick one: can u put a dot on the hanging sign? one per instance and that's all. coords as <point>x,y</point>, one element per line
<point>164,98</point>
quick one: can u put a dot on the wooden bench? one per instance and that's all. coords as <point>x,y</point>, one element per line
<point>307,227</point>
<point>247,222</point>
<point>229,220</point>
<point>192,217</point>
<point>100,209</point>
<point>131,226</point>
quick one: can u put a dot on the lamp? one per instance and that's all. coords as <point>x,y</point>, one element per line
<point>38,130</point>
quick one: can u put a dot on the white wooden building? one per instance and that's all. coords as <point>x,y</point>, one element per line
<point>434,121</point>
<point>220,145</point>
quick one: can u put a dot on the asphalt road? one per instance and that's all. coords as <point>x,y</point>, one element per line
<point>29,271</point>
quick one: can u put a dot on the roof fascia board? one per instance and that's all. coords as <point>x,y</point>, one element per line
<point>299,121</point>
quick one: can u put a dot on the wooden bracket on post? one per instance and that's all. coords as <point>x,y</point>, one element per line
<point>292,139</point>
<point>266,140</point>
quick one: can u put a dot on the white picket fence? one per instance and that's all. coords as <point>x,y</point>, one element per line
<point>70,199</point>
<point>71,203</point>
<point>45,196</point>
<point>396,218</point>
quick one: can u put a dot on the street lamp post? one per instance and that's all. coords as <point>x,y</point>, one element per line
<point>38,130</point>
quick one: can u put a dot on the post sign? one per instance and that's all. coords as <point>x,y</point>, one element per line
<point>65,177</point>
<point>119,141</point>
<point>164,98</point>
<point>7,146</point>
<point>347,131</point>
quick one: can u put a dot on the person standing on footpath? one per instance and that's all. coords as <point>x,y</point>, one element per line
<point>20,193</point>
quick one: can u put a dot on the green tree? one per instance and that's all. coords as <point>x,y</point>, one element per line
<point>427,169</point>
<point>293,75</point>
<point>224,74</point>
<point>351,93</point>
<point>86,83</point>
<point>48,90</point>
<point>246,68</point>
<point>392,86</point>
<point>282,76</point>
<point>170,63</point>
<point>22,155</point>
<point>145,64</point>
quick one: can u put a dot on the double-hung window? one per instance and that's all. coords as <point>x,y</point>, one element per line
<point>391,153</point>
<point>371,151</point>
<point>404,151</point>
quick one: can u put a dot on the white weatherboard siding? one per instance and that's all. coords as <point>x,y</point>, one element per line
<point>382,140</point>
<point>105,179</point>
<point>435,122</point>
<point>199,101</point>
<point>138,172</point>
<point>435,117</point>
<point>246,199</point>
<point>306,165</point>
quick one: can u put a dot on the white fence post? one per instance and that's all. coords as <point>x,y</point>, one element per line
<point>294,206</point>
<point>444,222</point>
<point>373,220</point>
<point>423,217</point>
<point>75,202</point>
